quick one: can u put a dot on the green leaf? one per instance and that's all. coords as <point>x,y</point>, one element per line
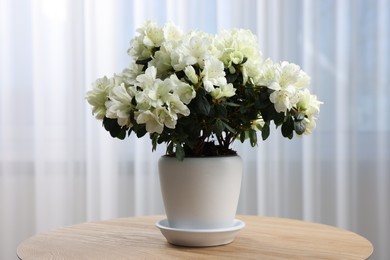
<point>249,93</point>
<point>230,78</point>
<point>288,127</point>
<point>228,127</point>
<point>170,148</point>
<point>143,62</point>
<point>122,133</point>
<point>202,105</point>
<point>181,74</point>
<point>263,103</point>
<point>220,111</point>
<point>140,131</point>
<point>219,127</point>
<point>112,126</point>
<point>265,131</point>
<point>154,138</point>
<point>299,126</point>
<point>231,104</point>
<point>299,123</point>
<point>299,117</point>
<point>242,136</point>
<point>243,109</point>
<point>279,118</point>
<point>268,113</point>
<point>252,137</point>
<point>179,152</point>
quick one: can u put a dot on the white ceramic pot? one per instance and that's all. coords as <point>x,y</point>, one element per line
<point>200,193</point>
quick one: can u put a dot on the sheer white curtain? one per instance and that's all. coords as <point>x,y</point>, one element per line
<point>58,166</point>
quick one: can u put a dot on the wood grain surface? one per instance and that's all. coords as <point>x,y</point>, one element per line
<point>138,238</point>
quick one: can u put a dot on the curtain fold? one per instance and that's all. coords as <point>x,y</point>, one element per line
<point>58,166</point>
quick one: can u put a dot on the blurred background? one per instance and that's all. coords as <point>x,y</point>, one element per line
<point>59,167</point>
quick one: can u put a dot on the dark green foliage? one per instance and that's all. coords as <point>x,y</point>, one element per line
<point>265,132</point>
<point>288,128</point>
<point>202,105</point>
<point>115,130</point>
<point>180,154</point>
<point>300,124</point>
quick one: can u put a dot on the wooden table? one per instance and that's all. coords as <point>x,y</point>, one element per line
<point>138,238</point>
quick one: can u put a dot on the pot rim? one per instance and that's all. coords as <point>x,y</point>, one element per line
<point>201,157</point>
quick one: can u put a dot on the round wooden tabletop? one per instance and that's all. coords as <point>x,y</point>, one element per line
<point>139,238</point>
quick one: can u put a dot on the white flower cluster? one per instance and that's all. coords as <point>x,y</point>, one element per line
<point>150,92</point>
<point>290,83</point>
<point>158,102</point>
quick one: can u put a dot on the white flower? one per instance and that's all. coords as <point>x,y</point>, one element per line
<point>153,96</point>
<point>308,103</point>
<point>168,94</point>
<point>213,74</point>
<point>310,124</point>
<point>303,80</point>
<point>138,50</point>
<point>191,74</point>
<point>97,97</point>
<point>310,106</point>
<point>130,74</point>
<point>314,105</point>
<point>287,79</point>
<point>269,74</point>
<point>172,32</point>
<point>155,119</point>
<point>194,49</point>
<point>147,79</point>
<point>166,117</point>
<point>236,57</point>
<point>153,35</point>
<point>119,104</point>
<point>151,121</point>
<point>162,61</point>
<point>223,91</point>
<point>233,46</point>
<point>176,106</point>
<point>158,93</point>
<point>179,59</point>
<point>160,102</point>
<point>250,70</point>
<point>303,100</point>
<point>198,47</point>
<point>289,74</point>
<point>284,99</point>
<point>150,36</point>
<point>184,91</point>
<point>142,100</point>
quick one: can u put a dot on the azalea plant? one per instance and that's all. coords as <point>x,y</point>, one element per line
<point>198,93</point>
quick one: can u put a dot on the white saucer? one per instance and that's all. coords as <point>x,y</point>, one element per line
<point>199,237</point>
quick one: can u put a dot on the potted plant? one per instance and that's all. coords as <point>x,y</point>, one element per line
<point>198,93</point>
